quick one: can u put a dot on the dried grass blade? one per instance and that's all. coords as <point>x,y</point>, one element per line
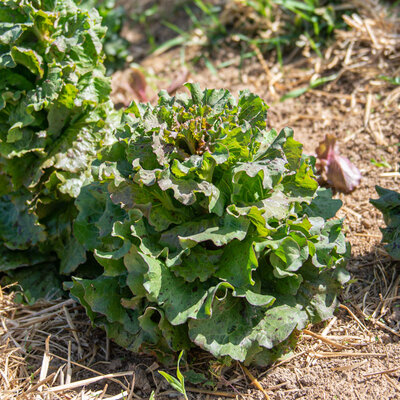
<point>350,367</point>
<point>45,361</point>
<point>69,369</point>
<point>324,339</point>
<point>392,382</point>
<point>132,388</point>
<point>118,396</point>
<point>210,392</point>
<point>330,354</point>
<point>88,381</point>
<point>367,112</point>
<point>378,323</point>
<point>73,330</point>
<point>48,310</point>
<point>255,382</point>
<point>354,317</point>
<point>386,371</point>
<point>91,370</point>
<point>38,386</point>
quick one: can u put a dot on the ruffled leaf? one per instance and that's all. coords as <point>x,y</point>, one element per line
<point>225,230</point>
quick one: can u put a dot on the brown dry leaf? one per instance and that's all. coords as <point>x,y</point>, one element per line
<point>138,83</point>
<point>336,170</point>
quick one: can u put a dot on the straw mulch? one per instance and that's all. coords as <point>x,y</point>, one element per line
<point>50,351</point>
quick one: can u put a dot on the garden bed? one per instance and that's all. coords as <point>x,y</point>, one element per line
<point>49,350</point>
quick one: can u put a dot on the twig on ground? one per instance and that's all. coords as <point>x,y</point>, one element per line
<point>255,382</point>
<point>324,339</point>
<point>386,371</point>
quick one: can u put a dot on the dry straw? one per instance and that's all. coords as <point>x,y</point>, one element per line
<point>48,350</point>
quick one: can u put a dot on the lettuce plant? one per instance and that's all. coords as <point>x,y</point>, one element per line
<point>114,45</point>
<point>389,204</point>
<point>55,114</point>
<point>211,230</point>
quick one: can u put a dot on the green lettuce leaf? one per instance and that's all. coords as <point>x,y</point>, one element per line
<point>55,116</point>
<point>389,204</point>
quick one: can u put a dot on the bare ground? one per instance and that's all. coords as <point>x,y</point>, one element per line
<point>356,355</point>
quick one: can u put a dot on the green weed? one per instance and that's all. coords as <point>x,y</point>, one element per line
<point>292,23</point>
<point>177,383</point>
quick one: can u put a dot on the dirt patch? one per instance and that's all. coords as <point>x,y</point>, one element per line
<point>358,107</point>
<point>346,358</point>
<point>354,356</point>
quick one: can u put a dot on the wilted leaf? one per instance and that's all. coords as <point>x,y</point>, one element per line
<point>337,170</point>
<point>138,83</point>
